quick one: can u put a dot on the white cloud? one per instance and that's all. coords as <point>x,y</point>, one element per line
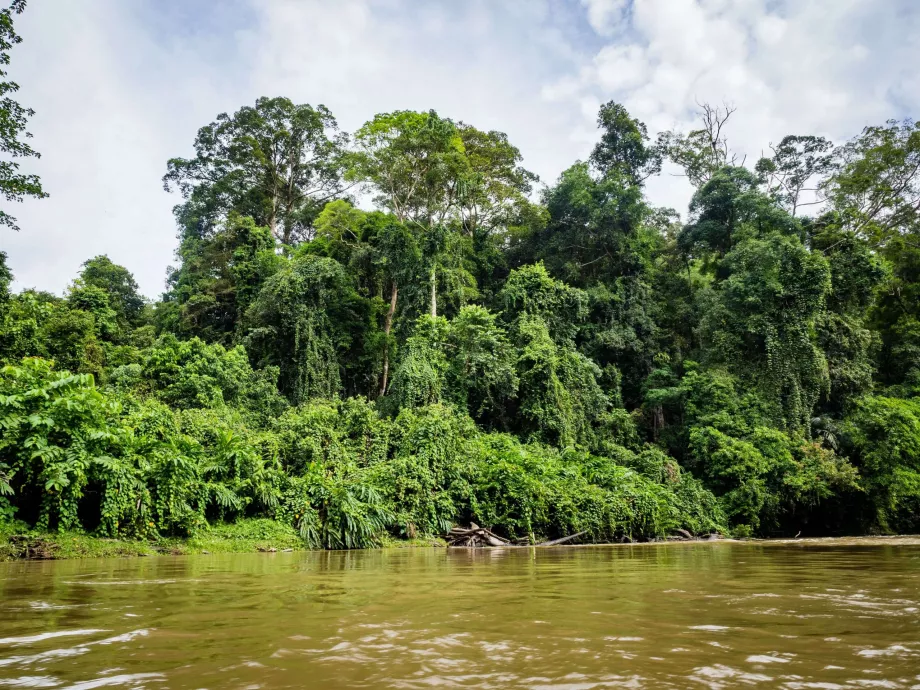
<point>605,15</point>
<point>120,86</point>
<point>824,67</point>
<point>621,67</point>
<point>116,97</point>
<point>111,106</point>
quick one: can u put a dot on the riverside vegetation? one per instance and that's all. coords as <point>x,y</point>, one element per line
<point>540,361</point>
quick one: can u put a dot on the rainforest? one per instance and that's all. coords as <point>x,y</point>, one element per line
<point>378,335</point>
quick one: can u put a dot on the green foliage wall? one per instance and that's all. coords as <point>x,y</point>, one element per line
<point>575,360</point>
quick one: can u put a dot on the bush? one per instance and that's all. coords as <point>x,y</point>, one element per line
<point>337,472</point>
<point>883,435</point>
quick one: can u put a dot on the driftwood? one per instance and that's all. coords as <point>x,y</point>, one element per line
<point>563,540</point>
<point>475,535</point>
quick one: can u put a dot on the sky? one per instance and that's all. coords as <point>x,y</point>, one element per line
<point>121,86</point>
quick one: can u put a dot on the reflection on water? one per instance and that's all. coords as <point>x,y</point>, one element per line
<point>715,615</point>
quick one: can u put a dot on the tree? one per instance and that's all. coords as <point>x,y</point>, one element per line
<point>481,374</point>
<point>356,239</point>
<point>219,277</point>
<point>895,314</point>
<point>412,161</point>
<point>762,320</point>
<point>843,330</point>
<point>69,336</point>
<point>883,434</point>
<point>308,321</point>
<point>6,278</point>
<point>877,186</point>
<point>440,179</point>
<point>532,290</point>
<point>492,186</point>
<point>276,162</point>
<point>875,193</point>
<point>95,301</point>
<point>419,378</point>
<point>592,232</point>
<point>560,400</point>
<point>702,151</point>
<point>14,185</point>
<point>118,283</point>
<point>795,162</point>
<point>596,238</point>
<point>340,229</point>
<point>193,374</point>
<point>624,148</point>
<point>727,209</point>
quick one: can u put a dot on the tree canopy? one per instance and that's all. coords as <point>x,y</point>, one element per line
<point>14,117</point>
<point>392,331</point>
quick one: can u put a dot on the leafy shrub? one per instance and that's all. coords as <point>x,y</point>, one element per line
<point>884,437</point>
<point>56,430</point>
<point>192,373</point>
<point>426,474</point>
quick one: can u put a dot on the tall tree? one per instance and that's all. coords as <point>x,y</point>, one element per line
<point>624,148</point>
<point>439,179</point>
<point>761,323</point>
<point>843,333</point>
<point>793,168</point>
<point>492,184</point>
<point>703,151</point>
<point>728,208</point>
<point>592,230</point>
<point>14,185</point>
<point>875,193</point>
<point>411,160</point>
<point>877,187</point>
<point>276,162</point>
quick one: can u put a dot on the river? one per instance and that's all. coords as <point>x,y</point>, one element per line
<point>806,614</point>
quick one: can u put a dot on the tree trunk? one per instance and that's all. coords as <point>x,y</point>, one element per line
<point>434,294</point>
<point>657,421</point>
<point>273,227</point>
<point>387,325</point>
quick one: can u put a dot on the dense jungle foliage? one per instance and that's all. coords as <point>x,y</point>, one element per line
<point>396,330</point>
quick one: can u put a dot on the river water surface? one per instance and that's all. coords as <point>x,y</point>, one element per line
<point>830,614</point>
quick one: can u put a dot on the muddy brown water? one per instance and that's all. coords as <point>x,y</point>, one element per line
<point>808,614</point>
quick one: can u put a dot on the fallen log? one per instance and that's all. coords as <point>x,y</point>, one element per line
<point>480,536</point>
<point>563,540</point>
<point>492,540</point>
<point>474,536</point>
<point>492,535</point>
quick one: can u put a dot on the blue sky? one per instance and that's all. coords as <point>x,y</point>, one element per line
<point>120,86</point>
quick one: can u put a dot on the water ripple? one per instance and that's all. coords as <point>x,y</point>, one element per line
<point>719,617</point>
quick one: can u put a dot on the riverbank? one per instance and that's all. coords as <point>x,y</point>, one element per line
<point>244,536</point>
<point>262,535</point>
